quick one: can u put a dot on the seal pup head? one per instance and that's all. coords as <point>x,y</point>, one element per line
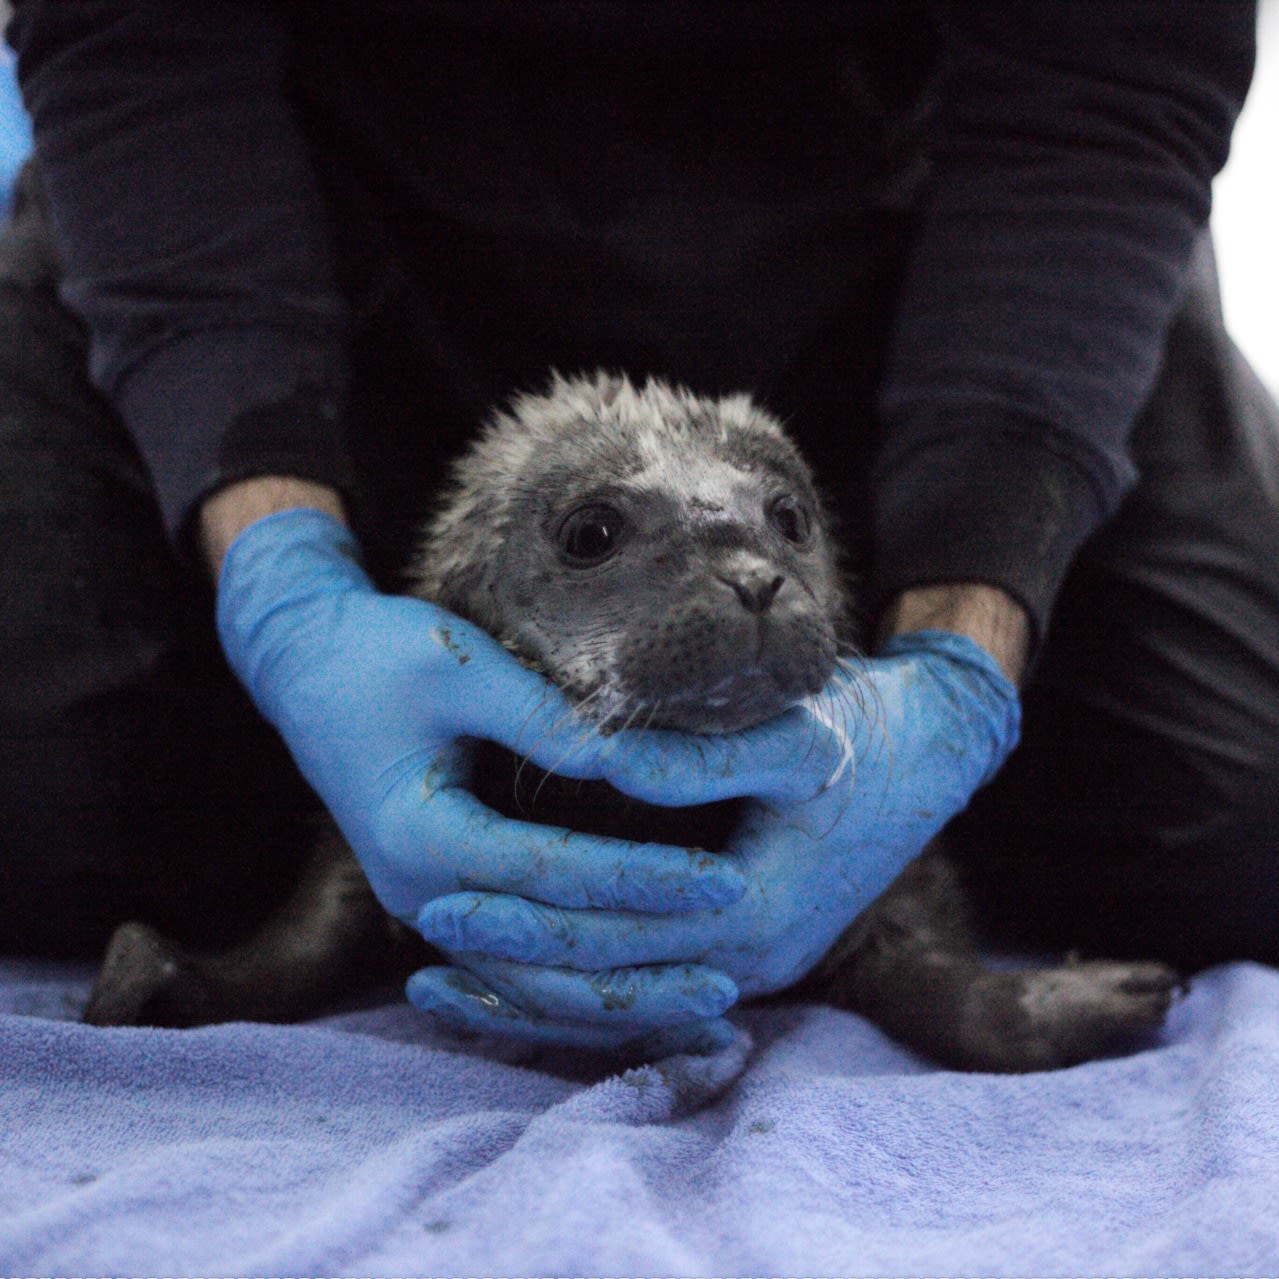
<point>661,556</point>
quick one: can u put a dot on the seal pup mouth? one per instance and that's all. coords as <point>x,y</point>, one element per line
<point>737,700</point>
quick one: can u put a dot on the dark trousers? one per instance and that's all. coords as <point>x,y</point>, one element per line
<point>1140,814</point>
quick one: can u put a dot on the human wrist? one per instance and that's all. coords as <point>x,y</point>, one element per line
<point>229,511</point>
<point>985,614</point>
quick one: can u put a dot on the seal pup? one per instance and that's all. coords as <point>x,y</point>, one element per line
<point>666,559</point>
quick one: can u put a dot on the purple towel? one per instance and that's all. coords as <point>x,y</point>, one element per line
<point>366,1143</point>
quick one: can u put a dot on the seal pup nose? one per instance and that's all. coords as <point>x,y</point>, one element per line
<point>756,589</point>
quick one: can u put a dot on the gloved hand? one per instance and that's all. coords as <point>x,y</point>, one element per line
<point>376,697</point>
<point>845,789</point>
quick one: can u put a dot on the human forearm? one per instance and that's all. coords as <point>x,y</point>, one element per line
<point>985,614</point>
<point>234,508</point>
<point>1073,162</point>
<point>192,237</point>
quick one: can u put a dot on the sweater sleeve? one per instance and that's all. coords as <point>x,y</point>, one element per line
<point>1073,178</point>
<point>192,234</point>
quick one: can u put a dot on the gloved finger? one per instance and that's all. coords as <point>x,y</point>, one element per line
<point>794,758</point>
<point>495,698</point>
<point>760,951</point>
<point>486,693</point>
<point>643,998</point>
<point>491,695</point>
<point>565,867</point>
<point>464,1002</point>
<point>532,932</point>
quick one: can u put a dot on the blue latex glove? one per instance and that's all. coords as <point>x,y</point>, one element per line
<point>15,128</point>
<point>846,788</point>
<point>377,696</point>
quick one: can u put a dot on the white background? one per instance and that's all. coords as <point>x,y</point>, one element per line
<point>1246,213</point>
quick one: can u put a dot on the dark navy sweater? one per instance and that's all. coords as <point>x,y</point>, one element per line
<point>944,240</point>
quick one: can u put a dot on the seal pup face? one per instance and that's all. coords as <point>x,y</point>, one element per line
<point>663,557</point>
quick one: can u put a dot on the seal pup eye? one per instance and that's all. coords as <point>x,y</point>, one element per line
<point>791,519</point>
<point>589,534</point>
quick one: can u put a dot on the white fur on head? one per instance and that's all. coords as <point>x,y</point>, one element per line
<point>514,445</point>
